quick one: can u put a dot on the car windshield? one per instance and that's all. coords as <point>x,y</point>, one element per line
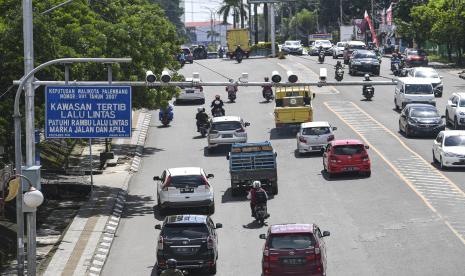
<point>417,53</point>
<point>186,51</point>
<point>348,149</point>
<point>418,89</point>
<point>365,55</point>
<point>323,43</point>
<point>454,141</point>
<point>182,181</point>
<point>340,44</point>
<point>316,130</point>
<point>426,74</point>
<point>223,126</point>
<point>292,241</point>
<point>462,103</point>
<point>185,231</point>
<point>292,43</point>
<point>424,113</point>
<point>357,46</point>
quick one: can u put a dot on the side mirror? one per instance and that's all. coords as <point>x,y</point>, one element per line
<point>156,178</point>
<point>453,105</point>
<point>367,146</point>
<point>218,225</point>
<point>262,236</point>
<point>334,128</point>
<point>247,124</point>
<point>158,227</point>
<point>210,175</point>
<point>441,77</point>
<point>313,95</point>
<point>443,116</point>
<point>227,157</point>
<point>326,234</point>
<point>275,154</point>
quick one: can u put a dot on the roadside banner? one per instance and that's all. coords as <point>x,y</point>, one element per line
<point>372,29</point>
<point>359,29</point>
<point>389,15</point>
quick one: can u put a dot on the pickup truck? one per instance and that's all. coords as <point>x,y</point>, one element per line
<point>252,161</point>
<point>293,106</point>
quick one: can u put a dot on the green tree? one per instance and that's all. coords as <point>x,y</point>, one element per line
<point>305,22</point>
<point>236,8</point>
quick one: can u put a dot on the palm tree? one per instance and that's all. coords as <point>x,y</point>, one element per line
<point>237,8</point>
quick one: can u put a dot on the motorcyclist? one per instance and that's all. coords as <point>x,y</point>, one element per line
<point>201,117</point>
<point>232,87</point>
<point>338,65</point>
<point>171,269</point>
<point>168,111</point>
<point>366,86</point>
<point>239,50</point>
<point>320,49</point>
<point>252,195</point>
<point>182,57</point>
<point>217,103</point>
<point>267,87</point>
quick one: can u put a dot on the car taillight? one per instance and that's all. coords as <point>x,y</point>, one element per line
<point>330,138</point>
<point>210,242</point>
<point>160,243</point>
<point>365,158</point>
<point>302,139</point>
<point>167,183</point>
<point>310,257</point>
<point>333,159</point>
<point>205,182</point>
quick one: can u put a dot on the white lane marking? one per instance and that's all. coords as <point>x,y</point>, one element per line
<point>419,184</point>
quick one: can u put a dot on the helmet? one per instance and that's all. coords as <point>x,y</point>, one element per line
<point>267,79</point>
<point>256,184</point>
<point>367,77</point>
<point>171,263</point>
<point>231,80</point>
<point>200,109</point>
<point>217,97</point>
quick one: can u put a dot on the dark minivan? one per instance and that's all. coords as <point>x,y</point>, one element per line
<point>294,249</point>
<point>189,239</point>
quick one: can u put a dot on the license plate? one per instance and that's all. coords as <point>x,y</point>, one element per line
<point>317,147</point>
<point>184,250</point>
<point>349,169</point>
<point>187,190</point>
<point>293,261</point>
<point>227,136</point>
<point>189,91</point>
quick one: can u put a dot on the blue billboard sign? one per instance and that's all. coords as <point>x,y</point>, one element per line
<point>88,112</point>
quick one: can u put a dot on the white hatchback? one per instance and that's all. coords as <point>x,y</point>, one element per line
<point>449,148</point>
<point>313,136</point>
<point>227,130</point>
<point>191,94</point>
<point>184,187</point>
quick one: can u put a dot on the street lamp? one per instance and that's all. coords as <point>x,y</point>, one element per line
<point>213,13</point>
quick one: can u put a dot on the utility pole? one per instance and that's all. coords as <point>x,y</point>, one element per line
<point>273,27</point>
<point>255,22</point>
<point>340,12</point>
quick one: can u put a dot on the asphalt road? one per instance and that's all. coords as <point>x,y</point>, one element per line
<point>406,219</point>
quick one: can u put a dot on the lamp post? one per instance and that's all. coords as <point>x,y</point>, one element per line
<point>26,80</point>
<point>212,22</point>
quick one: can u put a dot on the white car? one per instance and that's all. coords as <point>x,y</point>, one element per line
<point>191,94</point>
<point>338,50</point>
<point>449,149</point>
<point>313,136</point>
<point>227,130</point>
<point>455,110</point>
<point>184,187</point>
<point>431,75</point>
<point>315,47</point>
<point>292,47</point>
<point>413,90</point>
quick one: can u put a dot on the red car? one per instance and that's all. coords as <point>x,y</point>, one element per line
<point>415,57</point>
<point>342,156</point>
<point>294,249</point>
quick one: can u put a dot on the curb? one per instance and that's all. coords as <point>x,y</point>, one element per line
<point>106,239</point>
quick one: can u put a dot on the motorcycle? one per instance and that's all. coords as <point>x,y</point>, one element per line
<point>166,117</point>
<point>217,112</point>
<point>221,53</point>
<point>268,94</point>
<point>232,96</point>
<point>203,128</point>
<point>321,57</point>
<point>339,74</point>
<point>368,92</point>
<point>239,57</point>
<point>261,213</point>
<point>182,62</point>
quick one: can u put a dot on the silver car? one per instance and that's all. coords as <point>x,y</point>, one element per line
<point>227,130</point>
<point>313,136</point>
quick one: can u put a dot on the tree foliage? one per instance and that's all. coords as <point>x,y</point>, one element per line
<point>117,28</point>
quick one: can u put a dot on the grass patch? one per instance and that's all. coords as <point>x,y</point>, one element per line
<point>58,154</point>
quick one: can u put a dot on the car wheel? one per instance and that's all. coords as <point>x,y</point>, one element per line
<point>235,192</point>
<point>435,160</point>
<point>346,62</point>
<point>408,134</point>
<point>441,165</point>
<point>396,105</point>
<point>400,128</point>
<point>202,101</point>
<point>456,123</point>
<point>274,187</point>
<point>334,57</point>
<point>213,270</point>
<point>211,209</point>
<point>367,173</point>
<point>376,73</point>
<point>447,118</point>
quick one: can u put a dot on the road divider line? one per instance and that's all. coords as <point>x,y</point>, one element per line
<point>396,170</point>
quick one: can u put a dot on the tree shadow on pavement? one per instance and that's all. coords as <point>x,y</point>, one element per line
<point>276,134</point>
<point>137,206</point>
<point>151,151</point>
<point>228,197</point>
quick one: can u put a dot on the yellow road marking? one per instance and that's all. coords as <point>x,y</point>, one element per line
<point>394,168</point>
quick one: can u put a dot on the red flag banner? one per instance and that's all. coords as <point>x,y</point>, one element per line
<point>389,15</point>
<point>372,29</point>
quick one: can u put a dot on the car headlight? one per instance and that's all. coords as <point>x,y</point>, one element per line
<point>462,113</point>
<point>412,121</point>
<point>357,63</point>
<point>450,154</point>
<point>432,100</point>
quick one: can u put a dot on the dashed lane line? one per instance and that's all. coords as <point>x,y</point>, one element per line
<point>438,192</point>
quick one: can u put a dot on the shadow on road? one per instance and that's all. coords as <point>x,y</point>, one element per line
<point>276,133</point>
<point>227,197</point>
<point>222,150</point>
<point>342,176</point>
<point>151,150</point>
<point>307,155</point>
<point>254,225</point>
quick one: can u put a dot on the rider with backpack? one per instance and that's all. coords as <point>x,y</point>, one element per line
<point>257,195</point>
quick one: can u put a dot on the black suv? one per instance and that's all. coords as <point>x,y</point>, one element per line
<point>364,61</point>
<point>189,239</point>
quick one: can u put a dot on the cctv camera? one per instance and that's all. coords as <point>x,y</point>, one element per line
<point>323,74</point>
<point>291,77</point>
<point>165,76</point>
<point>275,77</point>
<point>150,76</point>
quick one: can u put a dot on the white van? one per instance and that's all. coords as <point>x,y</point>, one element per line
<point>413,90</point>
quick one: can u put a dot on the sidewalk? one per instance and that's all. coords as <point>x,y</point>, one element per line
<point>85,245</point>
